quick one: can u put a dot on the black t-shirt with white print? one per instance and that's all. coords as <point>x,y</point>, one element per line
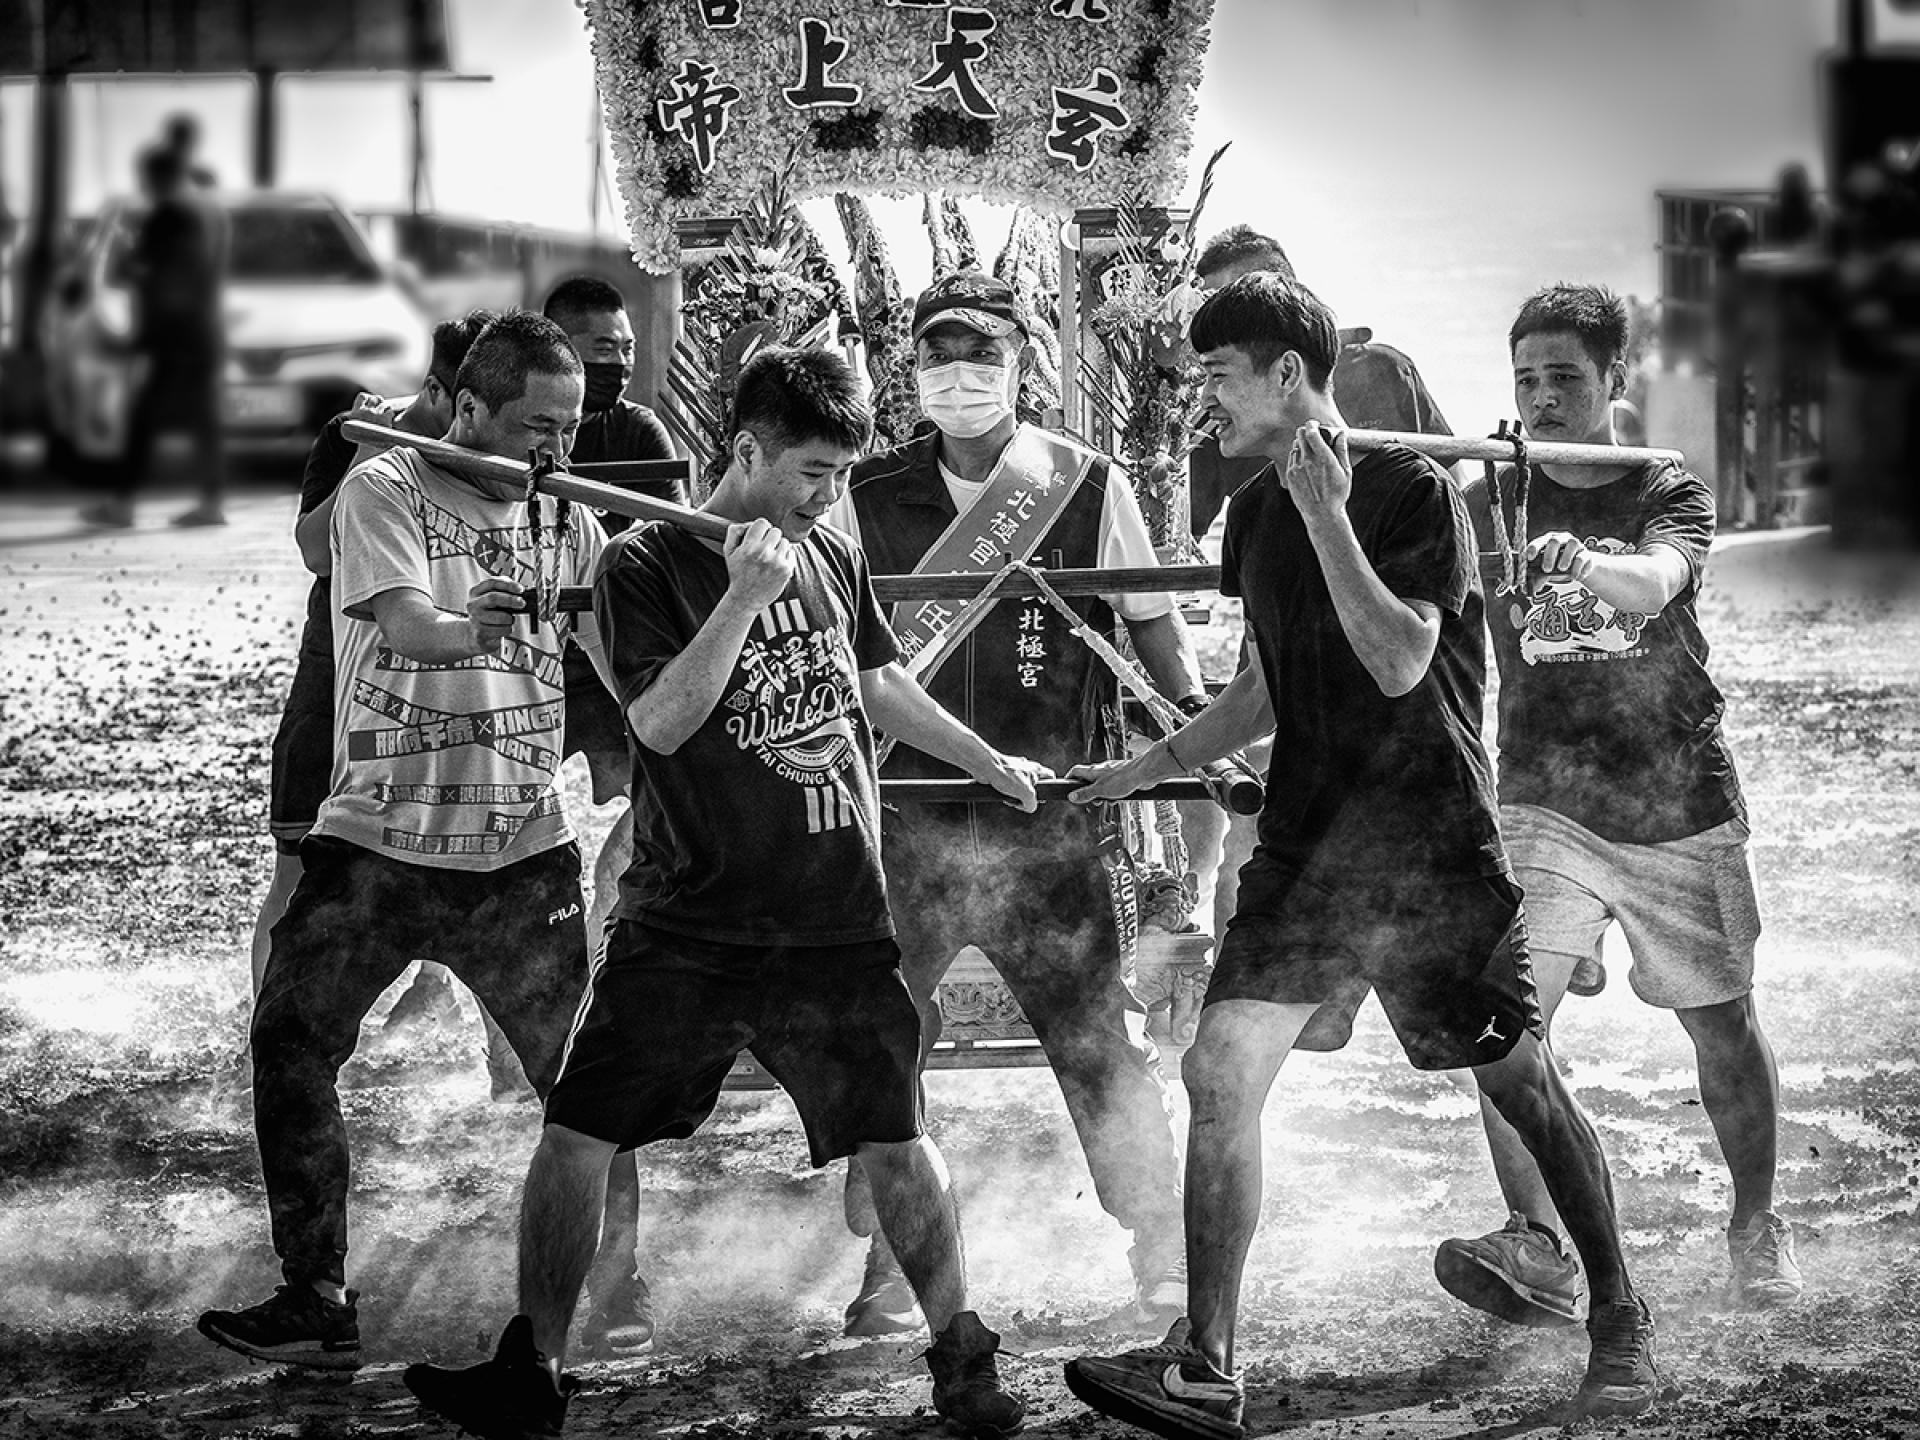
<point>763,828</point>
<point>1609,717</point>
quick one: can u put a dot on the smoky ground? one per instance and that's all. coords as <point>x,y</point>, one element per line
<point>142,681</point>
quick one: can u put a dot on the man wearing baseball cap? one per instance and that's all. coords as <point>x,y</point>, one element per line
<point>1045,895</point>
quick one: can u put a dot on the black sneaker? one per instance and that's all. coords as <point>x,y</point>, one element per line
<point>966,1382</point>
<point>1521,1272</point>
<point>620,1319</point>
<point>886,1303</point>
<point>295,1326</point>
<point>1169,1388</point>
<point>1620,1379</point>
<point>510,1397</point>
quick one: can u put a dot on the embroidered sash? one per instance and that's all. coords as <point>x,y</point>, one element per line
<point>1029,488</point>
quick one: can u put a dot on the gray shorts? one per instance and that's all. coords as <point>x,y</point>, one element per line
<point>1687,907</point>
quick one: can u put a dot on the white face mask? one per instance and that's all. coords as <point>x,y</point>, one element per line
<point>965,399</point>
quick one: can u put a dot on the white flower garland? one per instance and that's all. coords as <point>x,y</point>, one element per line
<point>1089,99</point>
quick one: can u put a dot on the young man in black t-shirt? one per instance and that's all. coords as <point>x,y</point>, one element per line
<point>754,915</point>
<point>1618,796</point>
<point>1379,862</point>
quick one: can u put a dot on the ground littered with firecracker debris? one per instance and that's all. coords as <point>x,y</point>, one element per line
<point>143,677</point>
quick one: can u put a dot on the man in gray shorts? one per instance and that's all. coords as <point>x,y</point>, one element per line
<point>1618,797</point>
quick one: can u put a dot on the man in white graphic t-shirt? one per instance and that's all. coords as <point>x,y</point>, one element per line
<point>443,836</point>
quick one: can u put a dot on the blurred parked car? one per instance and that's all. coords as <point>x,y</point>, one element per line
<point>312,319</point>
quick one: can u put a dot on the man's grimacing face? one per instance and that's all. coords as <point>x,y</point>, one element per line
<point>544,417</point>
<point>1248,406</point>
<point>796,488</point>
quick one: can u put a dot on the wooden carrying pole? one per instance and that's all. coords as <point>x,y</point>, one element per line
<point>562,486</point>
<point>1449,448</point>
<point>1234,787</point>
<point>1245,797</point>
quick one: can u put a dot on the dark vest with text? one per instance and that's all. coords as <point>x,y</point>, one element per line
<point>1023,680</point>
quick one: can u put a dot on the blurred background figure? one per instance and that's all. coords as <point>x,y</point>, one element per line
<point>181,135</point>
<point>175,271</point>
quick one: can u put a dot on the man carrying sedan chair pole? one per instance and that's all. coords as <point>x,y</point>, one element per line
<point>1618,796</point>
<point>753,665</point>
<point>1379,862</point>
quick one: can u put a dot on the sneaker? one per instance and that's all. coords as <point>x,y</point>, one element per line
<point>885,1304</point>
<point>294,1326</point>
<point>1520,1273</point>
<point>199,515</point>
<point>1764,1272</point>
<point>620,1319</point>
<point>1620,1378</point>
<point>1169,1388</point>
<point>510,1397</point>
<point>1589,977</point>
<point>966,1381</point>
<point>1159,1284</point>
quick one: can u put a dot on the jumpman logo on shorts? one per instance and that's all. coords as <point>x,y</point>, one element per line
<point>1492,1032</point>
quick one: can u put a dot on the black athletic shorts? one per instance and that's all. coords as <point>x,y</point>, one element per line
<point>302,773</point>
<point>1448,960</point>
<point>666,1015</point>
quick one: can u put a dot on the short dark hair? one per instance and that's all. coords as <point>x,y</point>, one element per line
<point>182,131</point>
<point>1592,314</point>
<point>792,396</point>
<point>1267,314</point>
<point>509,349</point>
<point>579,296</point>
<point>451,341</point>
<point>1241,242</point>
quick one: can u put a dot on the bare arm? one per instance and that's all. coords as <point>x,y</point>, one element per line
<point>312,532</point>
<point>1393,638</point>
<point>1644,583</point>
<point>417,628</point>
<point>896,703</point>
<point>1239,715</point>
<point>760,562</point>
<point>1165,647</point>
<point>586,634</point>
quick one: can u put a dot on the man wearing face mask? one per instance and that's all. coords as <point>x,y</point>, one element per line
<point>1032,891</point>
<point>612,427</point>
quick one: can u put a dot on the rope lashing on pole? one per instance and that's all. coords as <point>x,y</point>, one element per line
<point>1513,548</point>
<point>548,541</point>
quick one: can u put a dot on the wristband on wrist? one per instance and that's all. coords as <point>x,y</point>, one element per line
<point>1174,755</point>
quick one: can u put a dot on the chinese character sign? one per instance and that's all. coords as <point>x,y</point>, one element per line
<point>1053,104</point>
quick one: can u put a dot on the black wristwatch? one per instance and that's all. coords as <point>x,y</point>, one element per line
<point>1191,705</point>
